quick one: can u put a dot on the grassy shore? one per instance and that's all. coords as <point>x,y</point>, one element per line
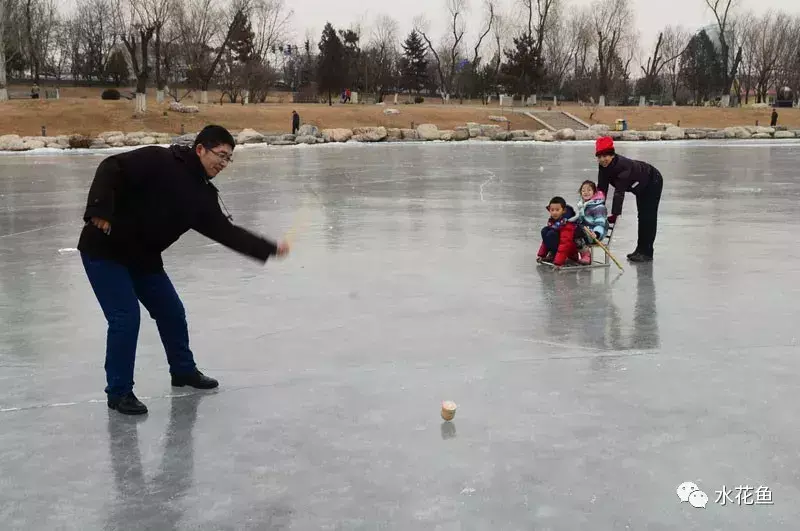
<point>82,111</point>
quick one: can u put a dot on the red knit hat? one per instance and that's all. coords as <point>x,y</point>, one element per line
<point>604,145</point>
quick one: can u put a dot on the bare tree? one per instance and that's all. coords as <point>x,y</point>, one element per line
<point>201,25</point>
<point>270,20</point>
<point>674,43</point>
<point>788,72</point>
<point>561,42</point>
<point>612,20</point>
<point>771,37</point>
<point>663,55</point>
<point>3,89</point>
<point>729,64</point>
<point>446,66</point>
<point>40,18</point>
<point>746,41</point>
<point>382,49</point>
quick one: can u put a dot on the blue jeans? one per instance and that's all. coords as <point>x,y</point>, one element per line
<point>118,290</point>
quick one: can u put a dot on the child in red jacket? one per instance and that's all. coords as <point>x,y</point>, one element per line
<point>558,237</point>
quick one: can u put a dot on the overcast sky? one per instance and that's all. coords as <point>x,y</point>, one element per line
<point>651,16</point>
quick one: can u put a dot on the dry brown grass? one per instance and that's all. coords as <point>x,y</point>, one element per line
<point>90,117</point>
<point>643,118</point>
<point>80,110</point>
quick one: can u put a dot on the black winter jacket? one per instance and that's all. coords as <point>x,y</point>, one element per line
<point>152,196</point>
<point>625,175</point>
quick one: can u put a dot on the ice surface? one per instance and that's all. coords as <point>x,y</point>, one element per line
<point>585,399</point>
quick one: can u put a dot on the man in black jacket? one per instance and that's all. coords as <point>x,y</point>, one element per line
<point>639,178</point>
<point>140,203</point>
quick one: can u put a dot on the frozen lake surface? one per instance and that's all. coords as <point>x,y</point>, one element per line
<point>585,399</point>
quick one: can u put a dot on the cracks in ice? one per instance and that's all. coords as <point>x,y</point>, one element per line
<point>487,181</point>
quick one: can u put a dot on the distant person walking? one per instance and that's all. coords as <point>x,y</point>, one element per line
<point>295,122</point>
<point>774,120</point>
<point>642,180</point>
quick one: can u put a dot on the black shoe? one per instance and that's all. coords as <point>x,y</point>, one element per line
<point>639,257</point>
<point>127,405</point>
<point>195,379</point>
<point>634,253</point>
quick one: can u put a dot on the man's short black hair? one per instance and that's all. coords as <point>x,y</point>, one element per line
<point>558,200</point>
<point>214,135</point>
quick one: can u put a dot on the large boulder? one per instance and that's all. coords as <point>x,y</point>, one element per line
<point>369,134</point>
<point>500,135</point>
<point>339,135</point>
<point>632,136</point>
<point>737,132</point>
<point>674,133</point>
<point>474,131</point>
<point>306,139</point>
<point>586,134</point>
<point>176,106</point>
<point>600,129</point>
<point>784,134</point>
<point>33,144</point>
<point>613,135</point>
<point>488,130</point>
<point>653,135</point>
<point>659,126</point>
<point>519,133</point>
<point>148,141</point>
<point>110,134</point>
<point>717,135</point>
<point>428,132</point>
<point>565,134</point>
<point>446,136</point>
<point>80,142</point>
<point>543,135</point>
<point>11,143</point>
<point>308,130</point>
<point>460,135</point>
<point>250,136</point>
<point>394,133</point>
<point>98,143</point>
<point>280,142</point>
<point>409,134</point>
<point>761,136</point>
<point>184,140</point>
<point>754,130</point>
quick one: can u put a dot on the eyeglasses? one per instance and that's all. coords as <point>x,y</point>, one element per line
<point>228,159</point>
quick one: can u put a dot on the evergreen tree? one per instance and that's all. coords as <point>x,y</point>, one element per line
<point>352,59</point>
<point>414,65</point>
<point>331,73</point>
<point>242,37</point>
<point>524,71</point>
<point>700,68</point>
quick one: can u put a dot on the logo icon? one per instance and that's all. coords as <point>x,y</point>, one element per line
<point>689,492</point>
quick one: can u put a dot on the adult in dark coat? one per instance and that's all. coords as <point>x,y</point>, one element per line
<point>295,122</point>
<point>140,203</point>
<point>642,180</point>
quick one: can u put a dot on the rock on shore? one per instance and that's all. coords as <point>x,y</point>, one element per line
<point>310,134</point>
